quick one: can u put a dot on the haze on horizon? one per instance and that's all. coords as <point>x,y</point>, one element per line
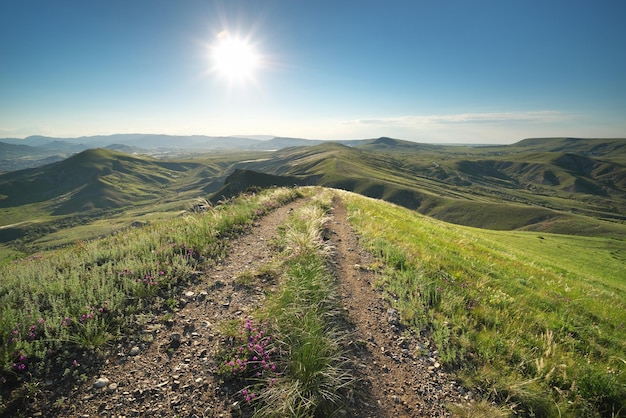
<point>486,71</point>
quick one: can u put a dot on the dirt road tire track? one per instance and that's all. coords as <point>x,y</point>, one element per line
<point>400,382</point>
<point>167,370</point>
<point>173,374</point>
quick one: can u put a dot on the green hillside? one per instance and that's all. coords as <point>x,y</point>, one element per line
<point>612,148</point>
<point>494,187</point>
<point>559,185</point>
<point>93,179</point>
<point>97,184</point>
<point>12,151</point>
<point>534,323</point>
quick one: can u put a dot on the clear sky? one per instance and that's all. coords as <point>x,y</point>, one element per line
<point>424,70</point>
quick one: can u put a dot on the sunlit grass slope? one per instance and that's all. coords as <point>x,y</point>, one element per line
<point>96,192</point>
<point>537,322</point>
<point>71,303</point>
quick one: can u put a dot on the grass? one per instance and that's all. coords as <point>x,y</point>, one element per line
<point>589,257</point>
<point>305,373</point>
<point>536,324</point>
<point>58,306</point>
<point>532,185</point>
<point>96,191</point>
<point>535,321</point>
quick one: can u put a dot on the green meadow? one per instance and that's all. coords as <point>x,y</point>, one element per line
<point>70,304</point>
<point>534,322</point>
<point>552,185</point>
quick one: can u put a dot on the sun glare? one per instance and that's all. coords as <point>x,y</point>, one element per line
<point>233,58</point>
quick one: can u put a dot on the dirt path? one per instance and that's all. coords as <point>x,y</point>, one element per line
<point>401,383</point>
<point>167,369</point>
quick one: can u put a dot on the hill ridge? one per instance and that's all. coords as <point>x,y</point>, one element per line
<point>378,381</point>
<point>466,299</point>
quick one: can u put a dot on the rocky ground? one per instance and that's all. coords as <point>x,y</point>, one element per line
<point>167,370</point>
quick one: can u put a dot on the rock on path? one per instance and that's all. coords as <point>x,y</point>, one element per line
<point>168,368</point>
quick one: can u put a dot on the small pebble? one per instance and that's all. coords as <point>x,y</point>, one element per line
<point>101,382</point>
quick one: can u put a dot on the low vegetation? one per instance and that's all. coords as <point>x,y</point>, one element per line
<point>535,322</point>
<point>512,314</point>
<point>61,308</point>
<point>560,185</point>
<point>288,358</point>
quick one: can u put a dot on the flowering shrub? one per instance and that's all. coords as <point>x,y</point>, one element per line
<point>249,351</point>
<point>26,333</point>
<point>92,329</point>
<point>498,298</point>
<point>146,284</point>
<point>250,357</point>
<point>18,344</point>
<point>135,269</point>
<point>20,365</point>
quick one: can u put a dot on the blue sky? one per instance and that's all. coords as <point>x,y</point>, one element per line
<point>430,71</point>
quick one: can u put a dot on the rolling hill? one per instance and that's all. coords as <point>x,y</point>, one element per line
<point>561,185</point>
<point>92,179</point>
<point>529,307</point>
<point>474,321</point>
<point>594,147</point>
<point>513,190</point>
<point>97,184</point>
<point>15,156</point>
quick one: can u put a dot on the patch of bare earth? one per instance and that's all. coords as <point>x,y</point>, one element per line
<point>168,369</point>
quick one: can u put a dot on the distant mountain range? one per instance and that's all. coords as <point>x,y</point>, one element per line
<point>35,151</point>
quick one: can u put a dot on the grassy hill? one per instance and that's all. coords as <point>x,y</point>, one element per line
<point>97,184</point>
<point>593,147</point>
<point>495,187</point>
<point>92,179</point>
<point>535,323</point>
<point>16,156</point>
<point>559,185</point>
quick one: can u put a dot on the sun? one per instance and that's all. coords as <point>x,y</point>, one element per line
<point>234,58</point>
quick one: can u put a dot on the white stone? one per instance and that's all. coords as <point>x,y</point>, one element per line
<point>101,382</point>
